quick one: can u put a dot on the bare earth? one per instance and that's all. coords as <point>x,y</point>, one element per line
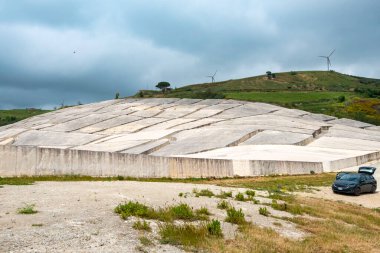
<point>79,217</point>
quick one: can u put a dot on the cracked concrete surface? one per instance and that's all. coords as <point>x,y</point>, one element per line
<point>214,135</point>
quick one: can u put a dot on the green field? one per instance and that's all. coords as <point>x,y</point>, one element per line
<point>12,116</point>
<point>287,97</point>
<point>330,93</point>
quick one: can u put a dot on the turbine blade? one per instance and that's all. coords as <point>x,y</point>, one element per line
<point>323,56</point>
<point>331,52</point>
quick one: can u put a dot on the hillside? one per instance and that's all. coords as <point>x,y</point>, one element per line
<point>12,116</point>
<point>325,92</point>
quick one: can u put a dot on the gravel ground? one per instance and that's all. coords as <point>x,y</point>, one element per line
<point>366,200</point>
<point>79,217</point>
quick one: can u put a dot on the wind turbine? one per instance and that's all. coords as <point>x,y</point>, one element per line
<point>328,60</point>
<point>213,77</point>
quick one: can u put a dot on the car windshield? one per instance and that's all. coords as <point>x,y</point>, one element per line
<point>350,177</point>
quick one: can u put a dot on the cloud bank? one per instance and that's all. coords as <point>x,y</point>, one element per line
<point>124,46</point>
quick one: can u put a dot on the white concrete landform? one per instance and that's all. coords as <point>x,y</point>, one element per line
<point>182,138</point>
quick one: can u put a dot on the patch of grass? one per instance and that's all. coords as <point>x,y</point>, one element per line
<point>271,183</point>
<point>145,241</point>
<point>224,205</point>
<point>250,193</point>
<point>186,234</point>
<point>235,216</point>
<point>27,209</point>
<point>224,195</point>
<point>37,225</point>
<point>203,211</point>
<point>287,183</point>
<point>342,228</point>
<point>256,201</point>
<point>134,209</point>
<point>26,180</point>
<point>182,212</point>
<point>286,207</point>
<point>240,197</point>
<point>12,116</point>
<point>142,225</point>
<point>176,212</point>
<point>203,193</point>
<point>189,235</point>
<point>214,228</point>
<point>264,211</point>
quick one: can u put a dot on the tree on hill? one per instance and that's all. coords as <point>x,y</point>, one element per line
<point>164,86</point>
<point>270,75</point>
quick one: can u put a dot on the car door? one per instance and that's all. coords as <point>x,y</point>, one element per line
<point>368,183</point>
<point>363,183</point>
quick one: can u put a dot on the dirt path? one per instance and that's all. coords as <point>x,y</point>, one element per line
<point>79,217</point>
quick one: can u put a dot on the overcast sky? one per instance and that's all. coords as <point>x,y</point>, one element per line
<point>124,46</point>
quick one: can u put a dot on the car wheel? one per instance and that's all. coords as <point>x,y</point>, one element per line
<point>373,189</point>
<point>357,191</point>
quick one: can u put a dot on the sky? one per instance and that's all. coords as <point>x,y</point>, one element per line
<point>124,46</point>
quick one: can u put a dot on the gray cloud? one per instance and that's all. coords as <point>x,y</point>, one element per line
<point>125,46</point>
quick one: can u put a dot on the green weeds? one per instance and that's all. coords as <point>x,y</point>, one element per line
<point>235,216</point>
<point>27,209</point>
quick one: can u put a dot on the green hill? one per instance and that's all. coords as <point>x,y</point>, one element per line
<point>325,92</point>
<point>12,116</point>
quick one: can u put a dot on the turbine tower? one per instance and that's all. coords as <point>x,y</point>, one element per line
<point>328,60</point>
<point>213,77</point>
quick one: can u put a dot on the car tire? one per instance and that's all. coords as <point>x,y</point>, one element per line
<point>357,191</point>
<point>373,189</point>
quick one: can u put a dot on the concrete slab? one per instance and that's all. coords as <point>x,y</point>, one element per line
<point>291,113</point>
<point>180,111</point>
<point>279,153</point>
<point>353,134</point>
<point>125,141</point>
<point>80,123</point>
<point>274,120</point>
<point>173,123</point>
<point>210,111</point>
<point>53,139</point>
<point>8,133</point>
<point>203,139</point>
<point>247,110</point>
<point>278,138</point>
<point>196,123</point>
<point>350,122</point>
<point>134,126</point>
<point>373,128</point>
<point>346,143</point>
<point>147,148</point>
<point>318,117</point>
<point>110,123</point>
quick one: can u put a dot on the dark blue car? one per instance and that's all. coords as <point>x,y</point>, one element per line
<point>355,183</point>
